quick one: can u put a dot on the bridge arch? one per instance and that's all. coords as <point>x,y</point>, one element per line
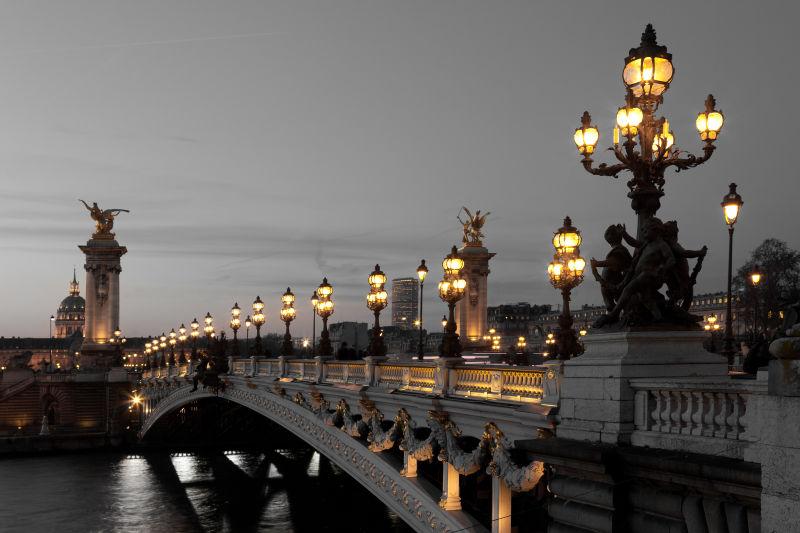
<point>407,497</point>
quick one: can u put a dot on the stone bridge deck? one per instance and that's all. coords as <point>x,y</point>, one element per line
<point>345,410</point>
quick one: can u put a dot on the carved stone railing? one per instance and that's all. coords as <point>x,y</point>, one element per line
<point>446,377</point>
<point>697,416</point>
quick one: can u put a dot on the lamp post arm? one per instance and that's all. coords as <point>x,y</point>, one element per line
<point>690,160</point>
<point>603,169</point>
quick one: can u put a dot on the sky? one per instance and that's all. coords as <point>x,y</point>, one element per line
<point>266,144</point>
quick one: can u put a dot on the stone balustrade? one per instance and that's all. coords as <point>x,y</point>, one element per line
<point>694,415</point>
<point>490,382</point>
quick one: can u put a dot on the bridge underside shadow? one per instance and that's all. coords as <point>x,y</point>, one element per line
<point>272,473</point>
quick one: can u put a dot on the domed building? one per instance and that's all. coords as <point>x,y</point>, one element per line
<point>71,313</point>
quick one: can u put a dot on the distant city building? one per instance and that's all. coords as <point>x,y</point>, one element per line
<point>515,319</point>
<point>71,313</point>
<point>405,298</point>
<point>355,334</point>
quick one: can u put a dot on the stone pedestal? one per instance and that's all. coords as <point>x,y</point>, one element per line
<point>596,397</point>
<point>103,254</point>
<point>471,318</point>
<point>778,448</point>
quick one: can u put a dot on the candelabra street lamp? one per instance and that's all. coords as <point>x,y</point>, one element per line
<point>314,303</point>
<point>451,290</point>
<point>288,314</point>
<point>194,334</point>
<point>208,329</point>
<point>648,147</point>
<point>235,324</point>
<point>566,273</point>
<point>376,302</point>
<point>173,340</point>
<point>731,207</point>
<point>258,320</point>
<point>118,340</point>
<point>247,323</point>
<point>324,309</point>
<point>162,344</point>
<point>422,272</point>
<point>182,339</point>
<point>755,279</point>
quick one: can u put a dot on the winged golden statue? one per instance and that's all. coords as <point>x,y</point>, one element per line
<point>472,226</point>
<point>103,219</point>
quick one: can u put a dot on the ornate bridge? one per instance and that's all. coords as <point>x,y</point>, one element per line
<point>351,411</point>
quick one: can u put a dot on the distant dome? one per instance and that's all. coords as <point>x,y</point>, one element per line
<point>72,304</point>
<point>69,318</point>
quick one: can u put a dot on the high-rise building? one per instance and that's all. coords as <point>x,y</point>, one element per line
<point>405,299</point>
<point>70,314</point>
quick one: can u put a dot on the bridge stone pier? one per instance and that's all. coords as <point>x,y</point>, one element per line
<point>621,439</point>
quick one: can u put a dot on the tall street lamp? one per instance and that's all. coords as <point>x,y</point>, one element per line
<point>647,148</point>
<point>755,279</point>
<point>731,207</point>
<point>208,329</point>
<point>50,340</point>
<point>444,322</point>
<point>235,324</point>
<point>566,273</point>
<point>247,323</point>
<point>314,303</point>
<point>173,340</point>
<point>162,344</point>
<point>376,302</point>
<point>422,272</point>
<point>288,314</point>
<point>182,339</point>
<point>324,310</point>
<point>451,290</point>
<point>147,351</point>
<point>258,321</point>
<point>194,334</point>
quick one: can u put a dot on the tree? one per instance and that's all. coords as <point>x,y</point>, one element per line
<point>780,283</point>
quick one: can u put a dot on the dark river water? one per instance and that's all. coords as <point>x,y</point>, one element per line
<point>285,491</point>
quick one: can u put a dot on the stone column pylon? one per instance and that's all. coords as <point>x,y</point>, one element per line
<point>103,266</point>
<point>471,317</point>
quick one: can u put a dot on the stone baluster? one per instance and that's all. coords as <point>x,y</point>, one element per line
<point>656,412</point>
<point>666,408</point>
<point>708,414</point>
<point>501,506</point>
<point>451,492</point>
<point>732,421</point>
<point>676,414</point>
<point>721,418</point>
<point>253,365</point>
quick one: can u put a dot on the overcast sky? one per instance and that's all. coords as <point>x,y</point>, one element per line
<point>271,143</point>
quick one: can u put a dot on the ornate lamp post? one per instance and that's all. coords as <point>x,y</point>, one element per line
<point>288,313</point>
<point>444,322</point>
<point>566,273</point>
<point>324,309</point>
<point>314,302</point>
<point>50,340</point>
<point>755,279</point>
<point>422,272</point>
<point>182,339</point>
<point>173,340</point>
<point>194,334</point>
<point>235,324</point>
<point>647,148</point>
<point>162,344</point>
<point>208,329</point>
<point>731,207</point>
<point>376,302</point>
<point>247,323</point>
<point>451,290</point>
<point>147,346</point>
<point>258,321</point>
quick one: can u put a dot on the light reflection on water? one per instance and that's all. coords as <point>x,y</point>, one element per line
<point>186,493</point>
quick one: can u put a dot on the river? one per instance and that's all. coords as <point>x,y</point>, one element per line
<point>175,493</point>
